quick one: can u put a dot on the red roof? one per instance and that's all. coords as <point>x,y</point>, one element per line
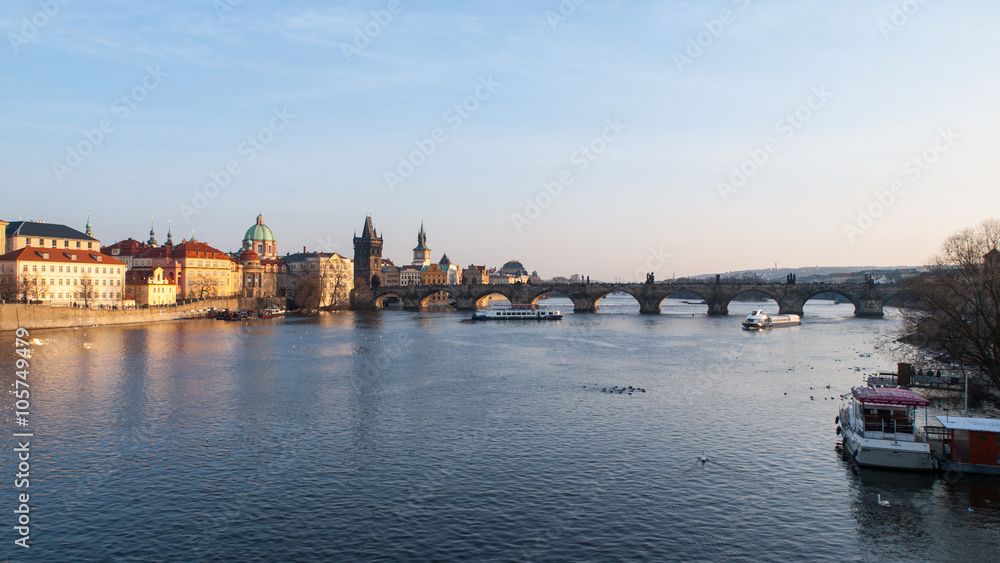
<point>33,254</point>
<point>127,247</point>
<point>889,396</point>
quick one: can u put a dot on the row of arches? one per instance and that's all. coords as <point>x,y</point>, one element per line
<point>612,301</point>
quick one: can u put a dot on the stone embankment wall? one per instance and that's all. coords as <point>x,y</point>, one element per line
<point>43,316</point>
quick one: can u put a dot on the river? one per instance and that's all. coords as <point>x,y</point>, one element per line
<point>398,435</point>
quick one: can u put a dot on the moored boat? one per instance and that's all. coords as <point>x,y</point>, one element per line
<point>878,427</point>
<point>516,312</point>
<point>271,312</point>
<point>966,445</point>
<point>758,319</point>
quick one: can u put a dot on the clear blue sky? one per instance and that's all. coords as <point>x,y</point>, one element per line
<point>199,78</point>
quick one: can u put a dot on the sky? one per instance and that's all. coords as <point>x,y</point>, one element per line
<point>607,139</point>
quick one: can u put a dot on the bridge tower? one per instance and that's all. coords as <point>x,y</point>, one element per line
<point>367,257</point>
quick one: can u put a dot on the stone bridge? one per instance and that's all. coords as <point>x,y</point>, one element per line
<point>868,298</point>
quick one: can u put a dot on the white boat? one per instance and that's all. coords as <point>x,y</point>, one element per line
<point>758,319</point>
<point>879,430</point>
<point>516,312</point>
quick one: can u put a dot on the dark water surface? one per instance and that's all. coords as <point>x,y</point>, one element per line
<point>424,436</point>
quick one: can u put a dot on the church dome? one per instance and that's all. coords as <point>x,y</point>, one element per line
<point>260,231</point>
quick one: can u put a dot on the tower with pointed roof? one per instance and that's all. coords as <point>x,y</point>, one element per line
<point>421,254</point>
<point>170,236</point>
<point>367,257</point>
<point>152,235</point>
<point>90,232</point>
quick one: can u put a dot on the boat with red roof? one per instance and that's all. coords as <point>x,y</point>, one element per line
<point>878,426</point>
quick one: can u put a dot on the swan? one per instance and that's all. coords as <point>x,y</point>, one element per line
<point>882,502</point>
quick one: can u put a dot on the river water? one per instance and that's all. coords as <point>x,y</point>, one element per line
<point>425,436</point>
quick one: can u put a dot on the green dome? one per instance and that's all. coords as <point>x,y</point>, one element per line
<point>259,232</point>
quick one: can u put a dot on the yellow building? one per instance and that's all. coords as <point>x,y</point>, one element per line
<point>433,275</point>
<point>199,270</point>
<point>151,289</point>
<point>35,234</point>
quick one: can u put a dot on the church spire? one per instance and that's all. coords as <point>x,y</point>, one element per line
<point>90,232</point>
<point>170,236</point>
<point>152,235</point>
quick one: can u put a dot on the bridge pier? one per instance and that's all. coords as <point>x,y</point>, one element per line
<point>717,307</point>
<point>584,304</point>
<point>791,307</point>
<point>870,308</point>
<point>649,307</point>
<point>465,303</point>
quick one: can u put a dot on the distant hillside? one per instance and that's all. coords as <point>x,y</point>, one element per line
<point>779,274</point>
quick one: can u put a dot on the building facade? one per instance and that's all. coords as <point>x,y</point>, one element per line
<point>35,234</point>
<point>150,288</point>
<point>66,277</point>
<point>199,270</point>
<point>475,275</point>
<point>318,279</point>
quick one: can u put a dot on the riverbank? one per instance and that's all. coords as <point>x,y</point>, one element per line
<point>33,317</point>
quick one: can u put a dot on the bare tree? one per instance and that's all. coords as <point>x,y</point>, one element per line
<point>8,286</point>
<point>955,317</point>
<point>30,287</point>
<point>308,292</point>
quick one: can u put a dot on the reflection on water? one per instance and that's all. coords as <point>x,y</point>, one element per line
<point>401,435</point>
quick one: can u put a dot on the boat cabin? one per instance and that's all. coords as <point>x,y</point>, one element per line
<point>886,412</point>
<point>969,440</point>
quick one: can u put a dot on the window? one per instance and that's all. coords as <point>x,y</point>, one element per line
<point>74,269</point>
<point>90,245</point>
<point>34,268</point>
<point>78,244</point>
<point>65,244</point>
<point>43,267</point>
<point>24,268</point>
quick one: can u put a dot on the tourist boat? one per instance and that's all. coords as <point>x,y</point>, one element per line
<point>878,429</point>
<point>516,312</point>
<point>271,312</point>
<point>758,319</point>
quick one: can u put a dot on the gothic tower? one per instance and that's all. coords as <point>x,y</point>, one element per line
<point>367,257</point>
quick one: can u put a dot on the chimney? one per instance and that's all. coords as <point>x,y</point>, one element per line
<point>303,250</point>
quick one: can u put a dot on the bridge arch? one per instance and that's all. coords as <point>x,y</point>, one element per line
<point>483,301</point>
<point>437,296</point>
<point>635,293</point>
<point>659,300</point>
<point>386,299</point>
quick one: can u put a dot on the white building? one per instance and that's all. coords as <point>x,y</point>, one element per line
<point>64,277</point>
